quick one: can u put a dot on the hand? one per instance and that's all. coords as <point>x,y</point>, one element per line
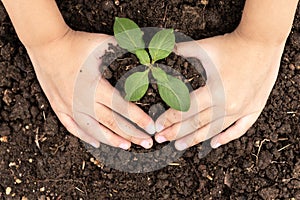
<point>57,65</point>
<point>239,82</point>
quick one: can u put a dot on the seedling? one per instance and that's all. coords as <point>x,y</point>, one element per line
<point>172,90</point>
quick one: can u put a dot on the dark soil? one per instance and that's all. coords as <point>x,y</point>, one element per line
<point>39,159</point>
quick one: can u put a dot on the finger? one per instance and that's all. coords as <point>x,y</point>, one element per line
<point>235,131</point>
<point>181,129</point>
<point>110,97</point>
<point>100,132</point>
<point>122,127</point>
<point>200,100</point>
<point>73,128</point>
<point>203,134</point>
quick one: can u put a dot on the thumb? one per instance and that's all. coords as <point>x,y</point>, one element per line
<point>200,50</point>
<point>187,49</point>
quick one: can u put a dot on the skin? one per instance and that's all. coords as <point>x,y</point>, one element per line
<point>246,60</point>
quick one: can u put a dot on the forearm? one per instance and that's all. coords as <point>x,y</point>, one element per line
<point>37,22</point>
<point>267,21</point>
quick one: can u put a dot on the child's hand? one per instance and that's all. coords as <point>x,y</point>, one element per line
<point>239,82</point>
<point>57,65</point>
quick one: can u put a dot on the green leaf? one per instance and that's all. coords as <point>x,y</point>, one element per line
<point>175,93</point>
<point>136,85</point>
<point>162,44</point>
<point>143,56</point>
<point>159,74</point>
<point>128,35</point>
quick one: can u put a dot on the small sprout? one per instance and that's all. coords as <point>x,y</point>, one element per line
<point>175,93</point>
<point>172,90</point>
<point>162,44</point>
<point>128,35</point>
<point>143,56</point>
<point>159,74</point>
<point>136,85</point>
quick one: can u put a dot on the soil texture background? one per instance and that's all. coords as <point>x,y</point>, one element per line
<point>39,159</point>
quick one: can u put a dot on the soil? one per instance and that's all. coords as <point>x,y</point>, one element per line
<point>39,159</point>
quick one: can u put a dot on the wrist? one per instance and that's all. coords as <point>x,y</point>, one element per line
<point>267,22</point>
<point>259,39</point>
<point>45,40</point>
<point>36,22</point>
<point>260,56</point>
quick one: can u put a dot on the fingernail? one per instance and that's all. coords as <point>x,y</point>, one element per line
<point>150,128</point>
<point>215,145</point>
<point>146,144</point>
<point>160,139</point>
<point>95,144</point>
<point>181,146</point>
<point>159,127</point>
<point>124,146</point>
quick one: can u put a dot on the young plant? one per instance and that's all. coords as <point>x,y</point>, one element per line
<point>172,90</point>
